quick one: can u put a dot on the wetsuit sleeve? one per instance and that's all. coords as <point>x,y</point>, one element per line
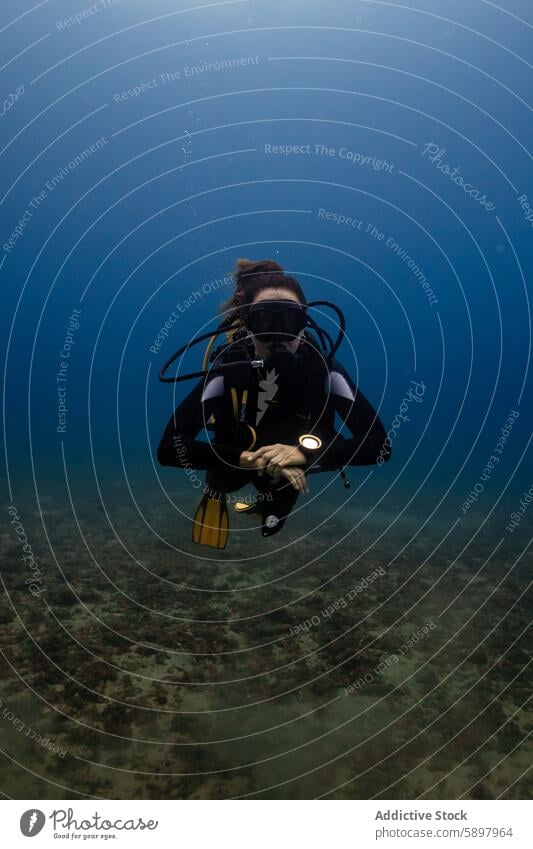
<point>367,443</point>
<point>179,446</point>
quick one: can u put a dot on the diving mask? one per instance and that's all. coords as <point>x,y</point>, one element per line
<point>270,320</point>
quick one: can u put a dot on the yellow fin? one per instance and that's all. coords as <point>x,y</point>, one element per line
<point>211,522</point>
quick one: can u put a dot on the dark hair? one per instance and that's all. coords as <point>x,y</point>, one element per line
<point>251,276</point>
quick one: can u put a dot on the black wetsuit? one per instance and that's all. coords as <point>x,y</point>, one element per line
<point>306,401</point>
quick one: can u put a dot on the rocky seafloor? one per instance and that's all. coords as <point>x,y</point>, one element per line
<point>353,656</point>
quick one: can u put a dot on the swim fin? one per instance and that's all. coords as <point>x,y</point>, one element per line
<point>246,506</point>
<point>211,522</point>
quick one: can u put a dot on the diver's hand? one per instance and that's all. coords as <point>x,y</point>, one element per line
<point>248,461</point>
<point>296,477</point>
<point>279,456</point>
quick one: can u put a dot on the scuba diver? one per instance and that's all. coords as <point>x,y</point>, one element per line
<point>270,394</point>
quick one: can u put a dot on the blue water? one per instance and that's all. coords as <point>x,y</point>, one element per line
<point>380,152</point>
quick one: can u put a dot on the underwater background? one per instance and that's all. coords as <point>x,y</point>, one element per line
<point>379,647</point>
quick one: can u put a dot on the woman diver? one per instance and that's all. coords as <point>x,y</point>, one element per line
<point>270,394</point>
